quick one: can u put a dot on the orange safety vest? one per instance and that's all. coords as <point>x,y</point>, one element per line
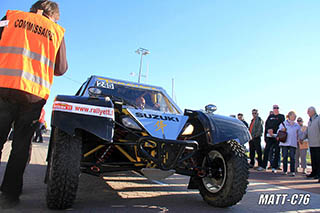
<point>28,50</point>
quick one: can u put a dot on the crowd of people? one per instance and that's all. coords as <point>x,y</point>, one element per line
<point>295,145</point>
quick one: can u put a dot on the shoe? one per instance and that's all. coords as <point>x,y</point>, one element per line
<point>259,168</point>
<point>285,173</point>
<point>8,202</point>
<point>293,174</point>
<point>316,177</point>
<point>279,168</point>
<point>250,166</point>
<point>269,167</point>
<point>274,170</point>
<point>304,172</point>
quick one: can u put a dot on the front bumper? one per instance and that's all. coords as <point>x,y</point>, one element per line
<point>169,153</point>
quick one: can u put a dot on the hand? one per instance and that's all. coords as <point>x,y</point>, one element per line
<point>156,106</point>
<point>270,131</point>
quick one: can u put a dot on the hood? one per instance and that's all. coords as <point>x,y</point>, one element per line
<point>159,124</point>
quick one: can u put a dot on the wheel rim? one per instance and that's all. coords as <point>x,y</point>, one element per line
<point>217,170</point>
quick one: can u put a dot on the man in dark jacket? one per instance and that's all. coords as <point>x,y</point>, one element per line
<point>240,117</point>
<point>271,128</point>
<point>256,130</point>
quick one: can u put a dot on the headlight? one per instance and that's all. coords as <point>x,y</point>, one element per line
<point>130,123</point>
<point>188,130</point>
<point>94,91</point>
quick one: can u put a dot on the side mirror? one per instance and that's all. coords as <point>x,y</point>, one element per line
<point>210,108</point>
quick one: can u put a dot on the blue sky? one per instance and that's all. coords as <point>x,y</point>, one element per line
<point>236,54</point>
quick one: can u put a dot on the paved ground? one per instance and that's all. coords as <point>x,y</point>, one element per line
<point>129,192</point>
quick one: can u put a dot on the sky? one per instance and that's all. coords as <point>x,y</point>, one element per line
<point>238,55</point>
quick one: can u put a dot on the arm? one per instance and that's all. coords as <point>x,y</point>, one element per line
<point>61,64</point>
<point>266,127</point>
<point>281,127</point>
<point>260,127</point>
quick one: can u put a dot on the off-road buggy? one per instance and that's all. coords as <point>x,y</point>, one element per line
<point>112,125</point>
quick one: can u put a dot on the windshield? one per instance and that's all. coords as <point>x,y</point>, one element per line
<point>139,97</point>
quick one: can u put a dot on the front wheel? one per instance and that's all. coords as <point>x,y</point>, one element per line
<point>63,170</point>
<point>227,174</point>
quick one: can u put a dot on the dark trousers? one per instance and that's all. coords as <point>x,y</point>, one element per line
<point>271,144</point>
<point>24,117</point>
<point>315,160</point>
<point>272,157</point>
<point>289,151</point>
<point>255,146</point>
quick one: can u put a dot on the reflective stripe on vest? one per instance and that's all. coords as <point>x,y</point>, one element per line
<point>26,75</point>
<point>28,53</point>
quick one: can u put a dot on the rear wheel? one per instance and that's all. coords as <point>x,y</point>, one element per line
<point>226,180</point>
<point>63,171</point>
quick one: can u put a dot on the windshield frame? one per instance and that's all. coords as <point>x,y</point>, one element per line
<point>144,87</point>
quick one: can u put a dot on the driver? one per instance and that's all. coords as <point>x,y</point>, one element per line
<point>140,102</point>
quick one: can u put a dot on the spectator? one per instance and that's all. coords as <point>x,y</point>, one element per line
<point>302,149</point>
<point>289,146</point>
<point>40,126</point>
<point>240,117</point>
<point>313,135</point>
<point>256,130</point>
<point>271,127</point>
<point>271,153</point>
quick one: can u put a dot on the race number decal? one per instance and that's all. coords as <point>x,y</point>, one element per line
<point>104,84</point>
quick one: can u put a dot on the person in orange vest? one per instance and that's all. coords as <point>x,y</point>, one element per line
<point>32,51</point>
<point>40,126</point>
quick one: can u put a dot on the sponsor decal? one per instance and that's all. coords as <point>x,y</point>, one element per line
<point>63,106</point>
<point>160,125</point>
<point>157,117</point>
<point>85,109</point>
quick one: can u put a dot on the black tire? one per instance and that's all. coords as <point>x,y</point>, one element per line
<point>63,171</point>
<point>229,185</point>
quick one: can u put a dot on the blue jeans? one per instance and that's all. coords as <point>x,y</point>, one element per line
<point>289,151</point>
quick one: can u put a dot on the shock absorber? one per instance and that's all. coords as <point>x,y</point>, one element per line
<point>101,159</point>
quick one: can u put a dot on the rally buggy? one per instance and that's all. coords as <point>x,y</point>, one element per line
<point>112,125</point>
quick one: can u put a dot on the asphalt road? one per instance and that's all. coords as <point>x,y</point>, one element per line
<point>129,192</point>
